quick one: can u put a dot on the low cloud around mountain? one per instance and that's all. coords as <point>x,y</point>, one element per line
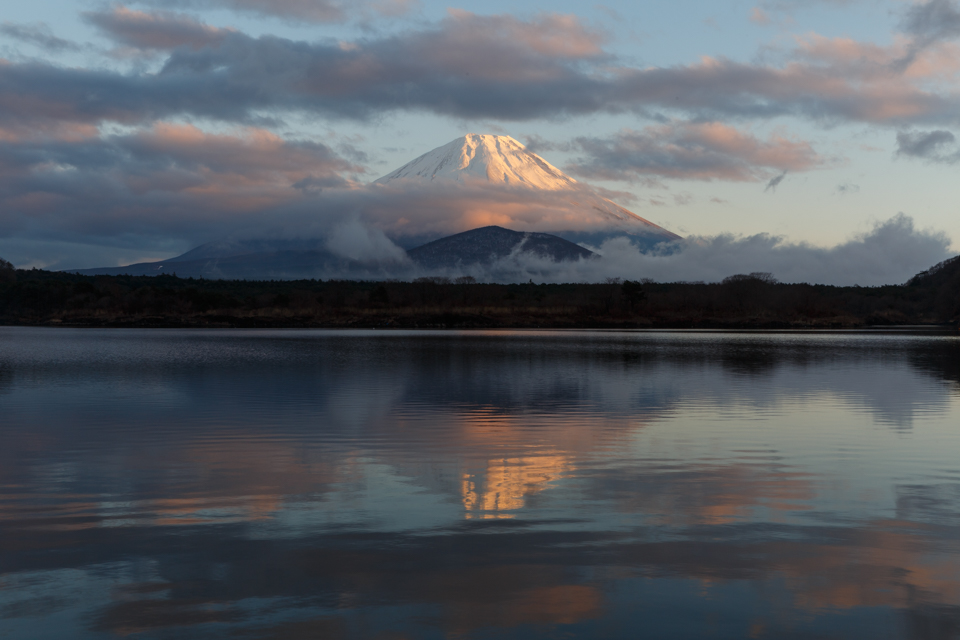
<point>890,253</point>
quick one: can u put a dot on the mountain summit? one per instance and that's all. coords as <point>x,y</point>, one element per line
<point>558,203</point>
<point>483,158</point>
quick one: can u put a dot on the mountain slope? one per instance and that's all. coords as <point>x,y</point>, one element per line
<point>488,244</point>
<point>297,259</point>
<point>262,265</point>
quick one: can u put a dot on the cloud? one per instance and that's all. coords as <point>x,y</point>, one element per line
<point>847,188</point>
<point>466,66</point>
<point>933,20</point>
<point>168,181</point>
<point>539,145</point>
<point>933,146</point>
<point>759,16</point>
<point>691,151</point>
<point>356,241</point>
<point>317,11</point>
<point>775,182</point>
<point>928,23</point>
<point>38,34</point>
<point>159,30</point>
<point>892,252</point>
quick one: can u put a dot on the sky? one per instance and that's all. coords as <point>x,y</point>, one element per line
<point>132,132</point>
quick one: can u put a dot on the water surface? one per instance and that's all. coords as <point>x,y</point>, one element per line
<point>327,484</point>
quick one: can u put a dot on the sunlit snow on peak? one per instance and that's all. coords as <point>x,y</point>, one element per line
<point>483,158</point>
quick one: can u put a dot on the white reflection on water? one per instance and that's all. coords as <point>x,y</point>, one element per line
<point>310,483</point>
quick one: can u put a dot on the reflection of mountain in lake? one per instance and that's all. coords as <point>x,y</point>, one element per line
<point>509,484</point>
<point>506,483</point>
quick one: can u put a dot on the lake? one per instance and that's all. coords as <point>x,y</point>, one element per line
<point>374,484</point>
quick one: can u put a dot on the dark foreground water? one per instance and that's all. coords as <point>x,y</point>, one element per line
<point>311,484</point>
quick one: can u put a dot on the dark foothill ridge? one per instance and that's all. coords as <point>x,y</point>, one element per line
<point>489,244</point>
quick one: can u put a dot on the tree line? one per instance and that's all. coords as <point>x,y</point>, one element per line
<point>743,300</point>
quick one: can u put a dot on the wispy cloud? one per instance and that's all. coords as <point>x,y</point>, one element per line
<point>759,16</point>
<point>159,30</point>
<point>774,182</point>
<point>928,23</point>
<point>934,146</point>
<point>38,34</point>
<point>847,188</point>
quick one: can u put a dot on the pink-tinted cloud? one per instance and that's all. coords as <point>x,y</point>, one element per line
<point>692,151</point>
<point>163,180</point>
<point>759,16</point>
<point>876,63</point>
<point>474,66</point>
<point>549,34</point>
<point>156,30</point>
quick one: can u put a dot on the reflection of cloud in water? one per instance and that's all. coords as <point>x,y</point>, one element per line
<point>883,564</point>
<point>589,467</point>
<point>893,395</point>
<point>706,495</point>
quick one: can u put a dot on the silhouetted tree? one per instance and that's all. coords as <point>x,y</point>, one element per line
<point>7,271</point>
<point>632,293</point>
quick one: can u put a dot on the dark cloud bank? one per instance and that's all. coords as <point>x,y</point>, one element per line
<point>466,66</point>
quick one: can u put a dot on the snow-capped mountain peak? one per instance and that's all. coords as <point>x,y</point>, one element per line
<point>483,158</point>
<point>501,164</point>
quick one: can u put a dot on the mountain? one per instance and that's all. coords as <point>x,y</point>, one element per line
<point>283,264</point>
<point>470,187</point>
<point>488,244</point>
<point>262,259</point>
<point>295,259</point>
<point>503,166</point>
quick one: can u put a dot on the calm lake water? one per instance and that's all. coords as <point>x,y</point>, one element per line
<point>328,484</point>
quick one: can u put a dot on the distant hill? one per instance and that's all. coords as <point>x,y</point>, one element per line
<point>942,282</point>
<point>259,259</point>
<point>943,273</point>
<point>486,245</point>
<point>261,265</point>
<point>264,259</point>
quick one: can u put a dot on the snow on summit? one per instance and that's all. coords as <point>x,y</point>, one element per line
<point>484,158</point>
